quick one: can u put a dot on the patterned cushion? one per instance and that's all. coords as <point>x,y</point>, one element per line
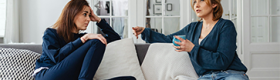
<point>17,64</point>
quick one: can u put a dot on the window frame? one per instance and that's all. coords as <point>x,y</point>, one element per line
<point>185,15</point>
<point>110,16</point>
<point>268,15</point>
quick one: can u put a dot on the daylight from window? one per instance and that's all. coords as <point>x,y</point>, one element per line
<point>2,17</point>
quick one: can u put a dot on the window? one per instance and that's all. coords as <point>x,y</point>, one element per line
<point>163,16</point>
<point>2,17</point>
<point>115,12</point>
<point>264,25</point>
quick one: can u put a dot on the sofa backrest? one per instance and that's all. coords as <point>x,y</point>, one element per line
<point>33,47</point>
<point>141,49</point>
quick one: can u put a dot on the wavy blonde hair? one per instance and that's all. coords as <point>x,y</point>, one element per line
<point>217,11</point>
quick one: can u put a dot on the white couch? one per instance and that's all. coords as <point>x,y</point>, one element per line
<point>157,61</point>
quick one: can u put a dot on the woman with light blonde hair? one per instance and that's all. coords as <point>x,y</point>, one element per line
<point>210,42</point>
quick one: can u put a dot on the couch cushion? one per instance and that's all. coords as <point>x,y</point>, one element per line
<point>120,59</point>
<point>162,62</point>
<point>17,64</point>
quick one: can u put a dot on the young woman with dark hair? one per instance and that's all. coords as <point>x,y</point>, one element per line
<point>70,55</point>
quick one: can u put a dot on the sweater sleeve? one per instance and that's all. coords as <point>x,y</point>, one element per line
<point>151,36</point>
<point>52,48</point>
<point>220,59</point>
<point>110,34</point>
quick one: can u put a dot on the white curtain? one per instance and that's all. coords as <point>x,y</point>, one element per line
<point>12,22</point>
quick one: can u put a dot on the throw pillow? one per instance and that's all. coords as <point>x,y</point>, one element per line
<point>17,64</point>
<point>162,62</point>
<point>120,59</point>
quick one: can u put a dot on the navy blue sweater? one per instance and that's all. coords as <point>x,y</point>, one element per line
<point>55,49</point>
<point>216,52</point>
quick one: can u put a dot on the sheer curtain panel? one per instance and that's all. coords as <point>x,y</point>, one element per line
<point>12,22</point>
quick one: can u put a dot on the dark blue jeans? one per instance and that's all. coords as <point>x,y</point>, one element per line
<point>79,65</point>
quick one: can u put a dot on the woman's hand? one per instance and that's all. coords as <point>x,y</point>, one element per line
<point>185,45</point>
<point>94,36</point>
<point>93,17</point>
<point>137,30</point>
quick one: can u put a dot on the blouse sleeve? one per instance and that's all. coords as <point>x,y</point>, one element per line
<point>151,36</point>
<point>110,34</point>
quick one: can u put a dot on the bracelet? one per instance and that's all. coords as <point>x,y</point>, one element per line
<point>83,39</point>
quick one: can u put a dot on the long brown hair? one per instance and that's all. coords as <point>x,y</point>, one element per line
<point>65,23</point>
<point>217,11</point>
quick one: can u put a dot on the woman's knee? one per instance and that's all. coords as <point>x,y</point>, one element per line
<point>96,42</point>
